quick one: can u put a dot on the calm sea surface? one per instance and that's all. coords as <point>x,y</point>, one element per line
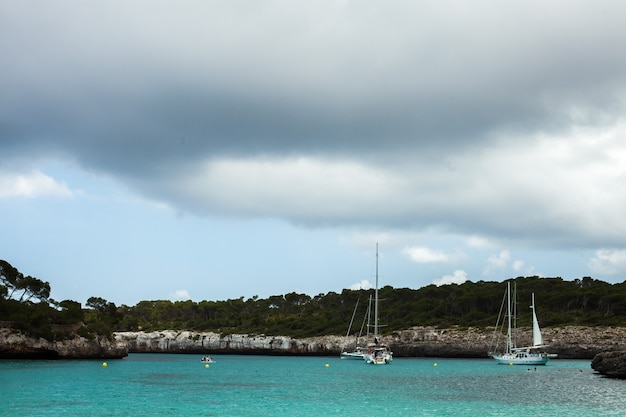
<point>160,385</point>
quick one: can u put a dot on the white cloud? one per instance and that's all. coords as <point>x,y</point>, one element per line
<point>387,239</point>
<point>422,254</point>
<point>478,242</point>
<point>326,189</point>
<point>180,295</point>
<point>300,187</point>
<point>503,262</point>
<point>32,185</point>
<point>362,285</point>
<point>458,277</point>
<point>608,261</point>
<point>497,262</point>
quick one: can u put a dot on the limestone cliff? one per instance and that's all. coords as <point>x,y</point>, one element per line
<point>170,341</point>
<point>571,342</point>
<point>568,342</point>
<point>15,345</point>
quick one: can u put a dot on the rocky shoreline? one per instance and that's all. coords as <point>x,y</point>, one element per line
<point>573,342</point>
<point>16,345</point>
<point>611,364</point>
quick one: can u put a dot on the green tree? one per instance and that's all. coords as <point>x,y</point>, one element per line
<point>70,312</point>
<point>9,277</point>
<point>99,305</point>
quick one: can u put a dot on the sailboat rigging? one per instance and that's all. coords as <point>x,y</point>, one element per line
<point>513,355</point>
<point>358,352</point>
<point>377,352</point>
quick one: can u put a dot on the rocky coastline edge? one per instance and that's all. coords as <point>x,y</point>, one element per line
<point>16,345</point>
<point>573,342</point>
<point>605,346</point>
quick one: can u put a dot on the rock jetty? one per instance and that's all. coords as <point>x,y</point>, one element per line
<point>574,342</point>
<point>15,345</point>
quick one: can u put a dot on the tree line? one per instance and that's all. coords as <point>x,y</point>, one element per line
<point>586,301</point>
<point>25,304</point>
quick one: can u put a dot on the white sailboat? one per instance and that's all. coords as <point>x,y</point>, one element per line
<point>528,355</point>
<point>358,352</point>
<point>377,353</point>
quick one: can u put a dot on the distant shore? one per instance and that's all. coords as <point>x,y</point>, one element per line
<point>571,342</point>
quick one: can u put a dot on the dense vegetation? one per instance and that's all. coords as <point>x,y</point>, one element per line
<point>583,301</point>
<point>25,304</point>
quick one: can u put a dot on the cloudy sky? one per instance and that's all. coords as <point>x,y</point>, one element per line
<point>217,149</point>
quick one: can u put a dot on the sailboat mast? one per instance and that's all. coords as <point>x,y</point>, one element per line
<point>514,303</point>
<point>369,315</point>
<point>376,297</point>
<point>508,334</point>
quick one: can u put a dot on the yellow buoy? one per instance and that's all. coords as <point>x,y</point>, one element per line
<point>206,366</point>
<point>435,364</point>
<point>104,364</point>
<point>327,365</point>
<point>510,363</point>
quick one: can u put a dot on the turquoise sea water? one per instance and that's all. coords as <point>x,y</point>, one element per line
<point>172,385</point>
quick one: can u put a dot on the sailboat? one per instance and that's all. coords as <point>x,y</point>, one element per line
<point>513,355</point>
<point>358,352</point>
<point>377,353</point>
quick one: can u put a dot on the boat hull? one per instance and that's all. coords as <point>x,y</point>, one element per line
<point>379,356</point>
<point>370,360</point>
<point>352,355</point>
<point>521,359</point>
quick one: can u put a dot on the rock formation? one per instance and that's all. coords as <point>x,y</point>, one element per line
<point>15,345</point>
<point>170,341</point>
<point>568,342</point>
<point>574,342</point>
<point>611,364</point>
<point>571,342</point>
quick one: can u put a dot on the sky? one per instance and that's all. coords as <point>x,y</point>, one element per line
<point>212,150</point>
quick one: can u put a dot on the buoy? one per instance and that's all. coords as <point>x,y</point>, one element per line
<point>435,364</point>
<point>327,365</point>
<point>206,366</point>
<point>510,363</point>
<point>104,364</point>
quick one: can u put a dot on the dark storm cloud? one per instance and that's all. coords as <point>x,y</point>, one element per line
<point>125,81</point>
<point>425,95</point>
